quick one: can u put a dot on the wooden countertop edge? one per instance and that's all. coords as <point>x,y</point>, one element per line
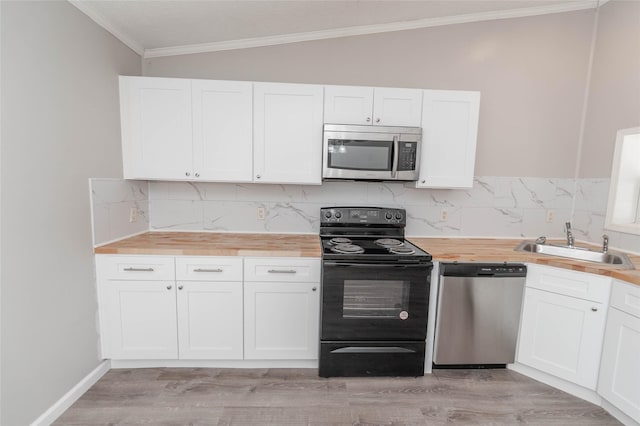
<point>467,250</point>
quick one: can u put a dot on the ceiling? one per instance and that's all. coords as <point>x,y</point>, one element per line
<point>172,27</point>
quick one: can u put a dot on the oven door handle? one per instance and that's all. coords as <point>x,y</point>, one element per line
<point>376,265</point>
<point>373,350</point>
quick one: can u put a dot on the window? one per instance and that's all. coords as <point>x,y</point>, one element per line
<point>623,212</point>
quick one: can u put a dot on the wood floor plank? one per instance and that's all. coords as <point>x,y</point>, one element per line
<point>288,397</point>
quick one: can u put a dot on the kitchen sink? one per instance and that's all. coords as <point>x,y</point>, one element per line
<point>578,253</point>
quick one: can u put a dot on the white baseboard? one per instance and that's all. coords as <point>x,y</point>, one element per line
<point>207,363</point>
<point>61,405</point>
<point>568,387</point>
<point>618,414</point>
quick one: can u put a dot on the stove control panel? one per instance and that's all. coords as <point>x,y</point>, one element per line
<point>362,215</point>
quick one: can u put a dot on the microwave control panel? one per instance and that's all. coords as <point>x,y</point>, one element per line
<point>407,156</point>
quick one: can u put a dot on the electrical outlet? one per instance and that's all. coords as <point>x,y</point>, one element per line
<point>549,216</point>
<point>133,214</point>
<point>444,215</point>
<point>261,213</point>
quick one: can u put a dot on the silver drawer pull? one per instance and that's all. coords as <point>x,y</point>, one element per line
<point>208,270</point>
<point>138,269</point>
<point>282,271</point>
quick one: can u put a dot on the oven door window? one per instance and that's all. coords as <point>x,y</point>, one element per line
<point>375,298</point>
<point>360,155</point>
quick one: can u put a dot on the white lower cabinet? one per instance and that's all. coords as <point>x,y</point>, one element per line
<point>282,309</point>
<point>562,334</point>
<point>155,307</point>
<point>209,307</point>
<point>139,320</point>
<point>619,381</point>
<point>281,320</point>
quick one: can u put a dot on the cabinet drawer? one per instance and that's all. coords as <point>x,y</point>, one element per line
<point>209,268</point>
<point>135,267</point>
<point>569,283</point>
<point>626,297</point>
<point>282,269</point>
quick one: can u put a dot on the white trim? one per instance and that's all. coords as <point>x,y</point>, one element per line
<point>84,7</point>
<point>364,29</point>
<point>212,363</point>
<point>618,414</point>
<point>571,388</point>
<point>67,400</point>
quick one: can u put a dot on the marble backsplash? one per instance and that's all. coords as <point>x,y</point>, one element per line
<point>111,204</point>
<point>494,207</point>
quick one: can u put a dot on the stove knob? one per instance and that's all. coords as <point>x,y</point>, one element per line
<point>398,216</point>
<point>327,215</point>
<point>338,215</point>
<point>388,216</point>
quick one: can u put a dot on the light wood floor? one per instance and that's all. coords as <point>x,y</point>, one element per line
<point>193,396</point>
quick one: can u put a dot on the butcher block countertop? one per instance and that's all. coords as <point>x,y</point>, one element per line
<point>308,245</point>
<point>498,250</point>
<point>216,244</point>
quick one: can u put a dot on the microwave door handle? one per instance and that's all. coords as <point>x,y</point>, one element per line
<point>394,168</point>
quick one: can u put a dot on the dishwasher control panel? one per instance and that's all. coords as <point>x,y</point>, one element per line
<point>483,269</point>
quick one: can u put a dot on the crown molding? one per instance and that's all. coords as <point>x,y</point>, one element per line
<point>247,43</point>
<point>366,29</point>
<point>84,7</point>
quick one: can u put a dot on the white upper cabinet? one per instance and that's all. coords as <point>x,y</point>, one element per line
<point>449,134</point>
<point>186,129</point>
<point>368,105</point>
<point>155,116</point>
<point>222,134</point>
<point>287,125</point>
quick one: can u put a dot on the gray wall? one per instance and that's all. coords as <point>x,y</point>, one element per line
<point>60,126</point>
<point>531,72</point>
<point>614,91</point>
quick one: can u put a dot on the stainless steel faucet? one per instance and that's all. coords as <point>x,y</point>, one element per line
<point>570,239</point>
<point>605,243</point>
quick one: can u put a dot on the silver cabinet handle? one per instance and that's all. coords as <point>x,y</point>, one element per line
<point>208,270</point>
<point>258,176</point>
<point>282,271</point>
<point>168,287</point>
<point>180,287</point>
<point>197,174</point>
<point>368,119</point>
<point>378,120</point>
<point>314,288</point>
<point>423,181</point>
<point>138,269</point>
<point>187,174</point>
<point>594,309</point>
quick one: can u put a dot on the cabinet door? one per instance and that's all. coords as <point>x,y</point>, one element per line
<point>155,116</point>
<point>397,107</point>
<point>620,368</point>
<point>281,320</point>
<point>210,320</point>
<point>222,136</point>
<point>287,133</point>
<point>348,105</point>
<point>449,134</point>
<point>562,336</point>
<point>140,320</point>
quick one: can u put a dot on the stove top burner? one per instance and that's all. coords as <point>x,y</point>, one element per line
<point>401,250</point>
<point>340,240</point>
<point>347,248</point>
<point>388,242</point>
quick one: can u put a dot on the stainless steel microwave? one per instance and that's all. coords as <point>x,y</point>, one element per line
<point>371,152</point>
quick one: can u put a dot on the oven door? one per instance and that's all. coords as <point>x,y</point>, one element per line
<point>374,301</point>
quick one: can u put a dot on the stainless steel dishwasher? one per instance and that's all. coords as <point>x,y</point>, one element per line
<point>478,314</point>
